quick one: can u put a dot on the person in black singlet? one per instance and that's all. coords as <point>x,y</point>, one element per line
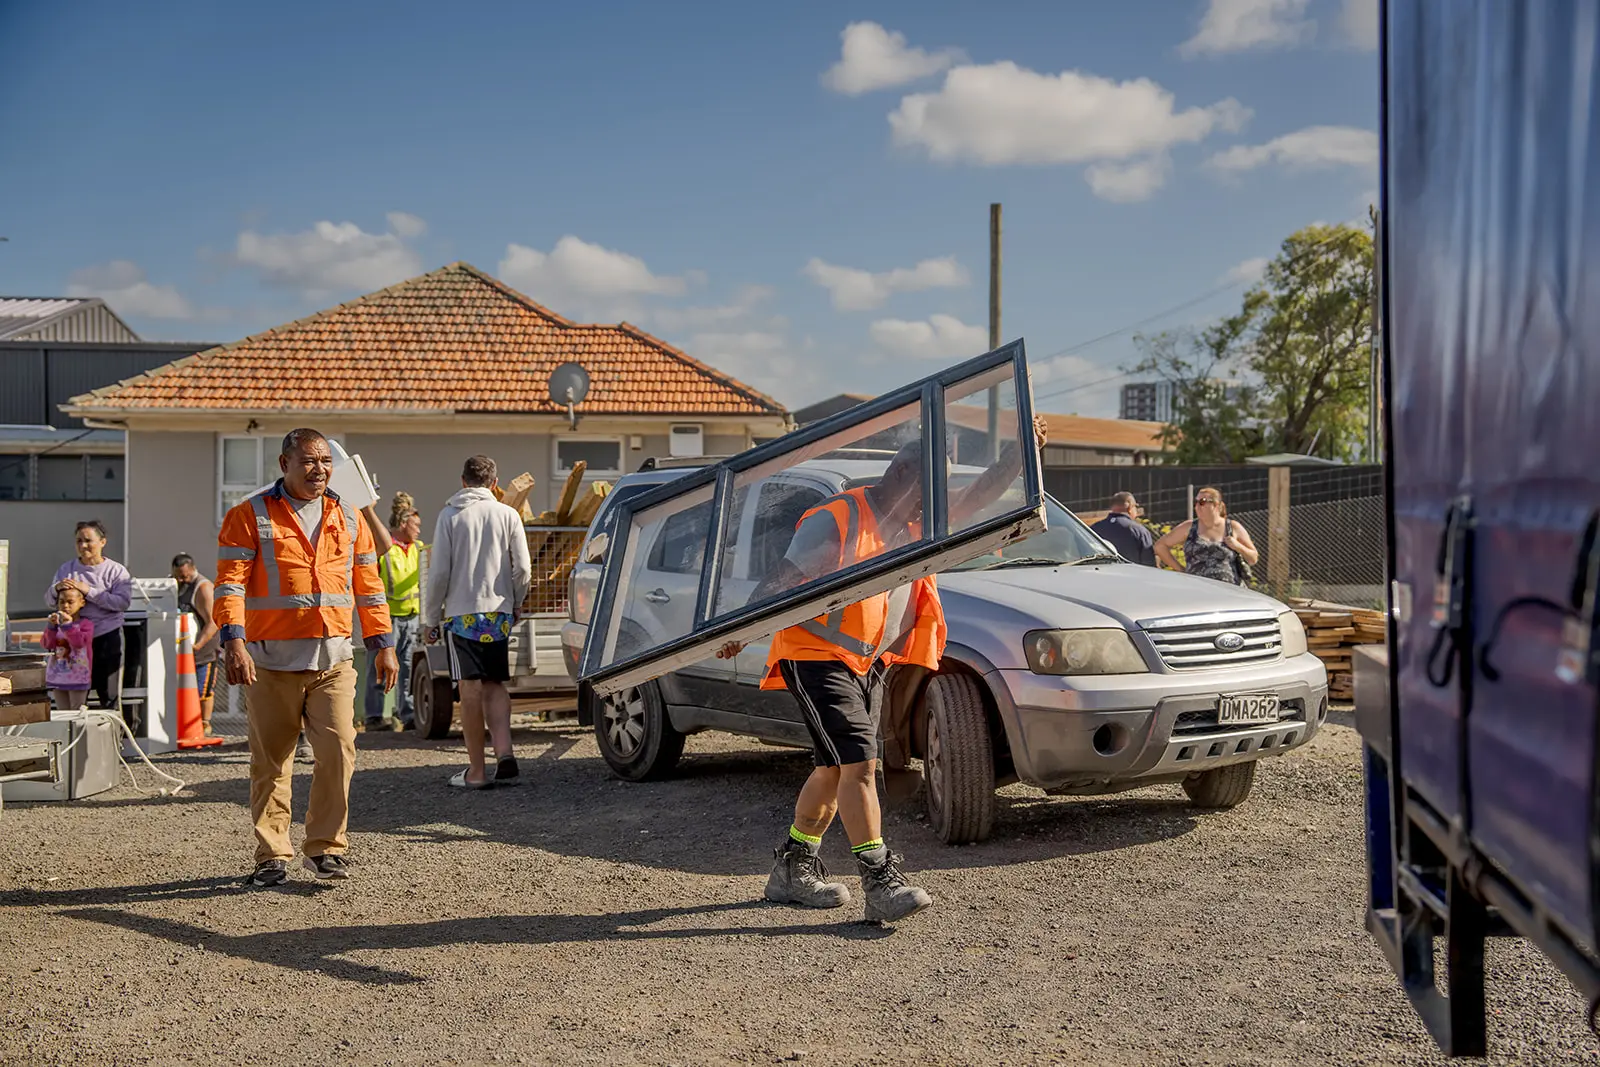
<point>1214,546</point>
<point>195,597</point>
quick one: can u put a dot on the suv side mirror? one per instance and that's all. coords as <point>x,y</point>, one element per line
<point>595,550</point>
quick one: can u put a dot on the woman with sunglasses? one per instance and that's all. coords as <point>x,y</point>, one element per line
<point>1214,546</point>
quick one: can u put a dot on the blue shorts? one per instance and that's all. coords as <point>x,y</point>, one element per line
<point>205,679</point>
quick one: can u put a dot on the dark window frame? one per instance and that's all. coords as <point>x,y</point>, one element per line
<point>938,550</point>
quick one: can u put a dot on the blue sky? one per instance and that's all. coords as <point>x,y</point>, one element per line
<point>797,194</point>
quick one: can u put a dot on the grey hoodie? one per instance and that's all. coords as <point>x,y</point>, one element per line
<point>478,561</point>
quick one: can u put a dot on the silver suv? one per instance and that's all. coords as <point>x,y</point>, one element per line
<point>1067,667</point>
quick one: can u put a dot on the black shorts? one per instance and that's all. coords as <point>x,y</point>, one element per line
<point>840,708</point>
<point>479,661</point>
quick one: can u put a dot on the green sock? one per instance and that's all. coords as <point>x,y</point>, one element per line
<point>872,851</point>
<point>796,834</point>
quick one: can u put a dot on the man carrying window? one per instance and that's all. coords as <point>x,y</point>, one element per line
<point>835,666</point>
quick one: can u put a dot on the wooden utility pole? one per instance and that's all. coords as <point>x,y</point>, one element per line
<point>994,327</point>
<point>1278,483</point>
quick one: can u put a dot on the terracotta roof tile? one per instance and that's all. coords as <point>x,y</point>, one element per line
<point>453,340</point>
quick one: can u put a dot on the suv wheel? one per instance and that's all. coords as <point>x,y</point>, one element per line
<point>635,737</point>
<point>958,760</point>
<point>1225,787</point>
<point>433,701</point>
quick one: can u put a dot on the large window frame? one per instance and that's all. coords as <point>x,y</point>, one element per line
<point>938,550</point>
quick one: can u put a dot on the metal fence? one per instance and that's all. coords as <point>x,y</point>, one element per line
<point>1320,531</point>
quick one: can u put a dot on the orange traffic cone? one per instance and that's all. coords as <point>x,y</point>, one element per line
<point>191,732</point>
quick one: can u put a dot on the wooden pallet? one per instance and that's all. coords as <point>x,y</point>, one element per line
<point>1332,632</point>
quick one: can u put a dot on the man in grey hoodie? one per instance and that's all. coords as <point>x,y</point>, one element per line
<point>478,577</point>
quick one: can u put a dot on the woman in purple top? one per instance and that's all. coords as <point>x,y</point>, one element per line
<point>107,589</point>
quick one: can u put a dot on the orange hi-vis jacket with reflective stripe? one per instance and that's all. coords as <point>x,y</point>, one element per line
<point>271,586</point>
<point>855,634</point>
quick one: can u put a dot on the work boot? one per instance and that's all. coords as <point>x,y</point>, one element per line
<point>797,878</point>
<point>889,895</point>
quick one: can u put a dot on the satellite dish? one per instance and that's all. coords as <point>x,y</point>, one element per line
<point>569,384</point>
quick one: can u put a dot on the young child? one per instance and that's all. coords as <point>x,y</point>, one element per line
<point>68,637</point>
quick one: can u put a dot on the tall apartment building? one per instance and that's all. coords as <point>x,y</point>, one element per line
<point>1147,401</point>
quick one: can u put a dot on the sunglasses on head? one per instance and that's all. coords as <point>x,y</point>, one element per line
<point>1208,500</point>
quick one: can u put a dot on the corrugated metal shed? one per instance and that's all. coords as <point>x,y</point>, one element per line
<point>30,318</point>
<point>37,377</point>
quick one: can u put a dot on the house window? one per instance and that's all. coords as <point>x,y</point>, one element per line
<point>602,455</point>
<point>15,476</point>
<point>53,476</point>
<point>245,463</point>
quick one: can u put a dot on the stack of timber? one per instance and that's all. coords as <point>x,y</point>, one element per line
<point>23,695</point>
<point>555,536</point>
<point>1332,631</point>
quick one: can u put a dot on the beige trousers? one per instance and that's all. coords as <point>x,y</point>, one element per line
<point>281,704</point>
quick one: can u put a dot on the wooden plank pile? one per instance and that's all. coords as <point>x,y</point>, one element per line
<point>1332,631</point>
<point>23,695</point>
<point>553,550</point>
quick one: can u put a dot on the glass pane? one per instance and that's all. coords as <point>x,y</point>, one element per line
<point>13,477</point>
<point>105,478</point>
<point>60,478</point>
<point>239,463</point>
<point>599,455</point>
<point>984,448</point>
<point>784,543</point>
<point>655,596</point>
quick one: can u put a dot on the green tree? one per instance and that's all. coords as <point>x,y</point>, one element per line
<point>1289,372</point>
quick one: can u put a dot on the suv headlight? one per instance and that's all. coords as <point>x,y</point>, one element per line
<point>1294,634</point>
<point>1106,651</point>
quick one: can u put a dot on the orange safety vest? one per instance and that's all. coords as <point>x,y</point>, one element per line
<point>854,634</point>
<point>270,581</point>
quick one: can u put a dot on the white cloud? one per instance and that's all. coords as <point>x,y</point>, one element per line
<point>872,57</point>
<point>122,284</point>
<point>332,257</point>
<point>404,224</point>
<point>940,337</point>
<point>1075,385</point>
<point>1358,21</point>
<point>1243,25</point>
<point>853,289</point>
<point>1002,114</point>
<point>1314,147</point>
<point>583,279</point>
<point>767,360</point>
<point>745,306</point>
<point>1246,271</point>
<point>1126,183</point>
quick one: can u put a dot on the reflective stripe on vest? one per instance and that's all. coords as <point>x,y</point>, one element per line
<point>833,629</point>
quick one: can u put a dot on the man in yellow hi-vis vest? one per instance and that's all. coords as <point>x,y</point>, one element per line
<point>836,665</point>
<point>400,569</point>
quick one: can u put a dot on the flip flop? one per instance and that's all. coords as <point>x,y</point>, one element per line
<point>459,781</point>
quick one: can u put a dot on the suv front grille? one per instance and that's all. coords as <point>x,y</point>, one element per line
<point>1191,642</point>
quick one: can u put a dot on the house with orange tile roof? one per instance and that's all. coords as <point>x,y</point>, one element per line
<point>415,378</point>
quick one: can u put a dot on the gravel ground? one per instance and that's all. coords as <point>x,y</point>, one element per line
<point>579,920</point>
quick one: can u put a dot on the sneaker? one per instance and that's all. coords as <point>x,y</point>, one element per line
<point>267,874</point>
<point>506,772</point>
<point>798,878</point>
<point>328,866</point>
<point>303,754</point>
<point>372,726</point>
<point>889,895</point>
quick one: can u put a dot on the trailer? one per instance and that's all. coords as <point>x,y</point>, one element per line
<point>1478,719</point>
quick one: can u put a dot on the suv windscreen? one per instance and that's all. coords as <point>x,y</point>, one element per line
<point>1066,540</point>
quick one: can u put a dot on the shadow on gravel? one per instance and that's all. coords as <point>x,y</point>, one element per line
<point>317,950</point>
<point>720,813</point>
<point>189,889</point>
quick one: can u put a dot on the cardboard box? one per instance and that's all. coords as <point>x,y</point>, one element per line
<point>20,714</point>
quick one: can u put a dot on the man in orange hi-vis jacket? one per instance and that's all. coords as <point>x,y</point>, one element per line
<point>294,563</point>
<point>836,665</point>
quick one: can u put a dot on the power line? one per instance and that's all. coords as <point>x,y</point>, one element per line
<point>1183,306</point>
<point>23,462</point>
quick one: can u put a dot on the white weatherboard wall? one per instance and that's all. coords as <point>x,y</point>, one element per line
<point>172,481</point>
<point>41,536</point>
